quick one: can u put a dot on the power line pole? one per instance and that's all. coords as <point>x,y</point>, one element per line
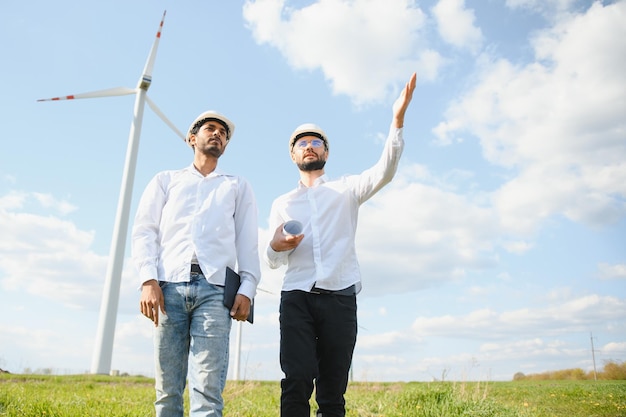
<point>593,356</point>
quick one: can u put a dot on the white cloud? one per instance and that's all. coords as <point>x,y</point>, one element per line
<point>529,333</point>
<point>48,201</point>
<point>558,122</point>
<point>19,199</point>
<point>518,247</point>
<point>430,236</point>
<point>607,271</point>
<point>617,348</point>
<point>573,315</point>
<point>529,339</point>
<point>12,200</point>
<point>382,340</point>
<point>547,7</point>
<point>456,24</point>
<point>535,348</point>
<point>363,47</point>
<point>47,256</point>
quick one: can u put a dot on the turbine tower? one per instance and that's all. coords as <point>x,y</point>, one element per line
<point>101,361</point>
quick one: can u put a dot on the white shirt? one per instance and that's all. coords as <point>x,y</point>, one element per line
<point>182,213</point>
<point>328,210</point>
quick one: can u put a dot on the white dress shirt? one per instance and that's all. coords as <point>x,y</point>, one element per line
<point>182,213</point>
<point>326,257</point>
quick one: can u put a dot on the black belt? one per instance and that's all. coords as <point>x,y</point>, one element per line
<point>351,290</point>
<point>195,268</point>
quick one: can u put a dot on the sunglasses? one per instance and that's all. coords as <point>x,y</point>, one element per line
<point>303,143</point>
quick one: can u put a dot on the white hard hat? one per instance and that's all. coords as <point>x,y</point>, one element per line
<point>307,129</point>
<point>211,114</point>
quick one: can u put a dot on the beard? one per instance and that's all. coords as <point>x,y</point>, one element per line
<point>312,165</point>
<point>213,150</point>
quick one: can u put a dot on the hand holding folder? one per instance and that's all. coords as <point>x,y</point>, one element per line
<point>231,286</point>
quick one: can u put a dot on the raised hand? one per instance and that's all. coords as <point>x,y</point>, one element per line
<point>402,102</point>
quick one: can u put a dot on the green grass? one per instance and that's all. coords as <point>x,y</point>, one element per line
<point>97,395</point>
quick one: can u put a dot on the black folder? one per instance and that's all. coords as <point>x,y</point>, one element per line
<point>231,286</point>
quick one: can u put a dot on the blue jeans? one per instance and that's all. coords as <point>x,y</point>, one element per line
<point>191,340</point>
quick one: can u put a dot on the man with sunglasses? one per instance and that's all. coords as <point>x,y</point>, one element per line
<point>318,311</point>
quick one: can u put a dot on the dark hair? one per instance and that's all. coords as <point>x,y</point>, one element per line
<point>201,122</point>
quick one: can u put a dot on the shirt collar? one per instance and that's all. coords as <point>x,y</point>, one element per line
<point>318,181</point>
<point>216,172</point>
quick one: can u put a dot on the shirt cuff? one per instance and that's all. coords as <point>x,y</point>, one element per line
<point>396,135</point>
<point>147,273</point>
<point>275,259</point>
<point>247,288</point>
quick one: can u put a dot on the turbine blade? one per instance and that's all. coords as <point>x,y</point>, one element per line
<point>110,92</point>
<point>165,119</point>
<point>146,77</point>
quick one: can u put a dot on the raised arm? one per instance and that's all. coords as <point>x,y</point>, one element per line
<point>402,102</point>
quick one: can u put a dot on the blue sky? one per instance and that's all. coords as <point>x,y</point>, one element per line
<point>498,248</point>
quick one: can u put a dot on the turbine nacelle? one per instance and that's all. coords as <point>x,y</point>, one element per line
<point>144,82</point>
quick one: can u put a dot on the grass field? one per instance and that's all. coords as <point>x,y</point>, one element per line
<point>106,396</point>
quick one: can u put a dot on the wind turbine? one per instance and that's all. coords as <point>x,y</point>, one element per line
<point>101,361</point>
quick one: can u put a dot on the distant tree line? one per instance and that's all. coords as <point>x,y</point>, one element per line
<point>612,370</point>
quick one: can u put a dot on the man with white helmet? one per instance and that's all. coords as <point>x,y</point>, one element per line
<point>318,320</point>
<point>191,224</point>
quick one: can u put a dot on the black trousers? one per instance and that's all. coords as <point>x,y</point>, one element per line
<point>317,338</point>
